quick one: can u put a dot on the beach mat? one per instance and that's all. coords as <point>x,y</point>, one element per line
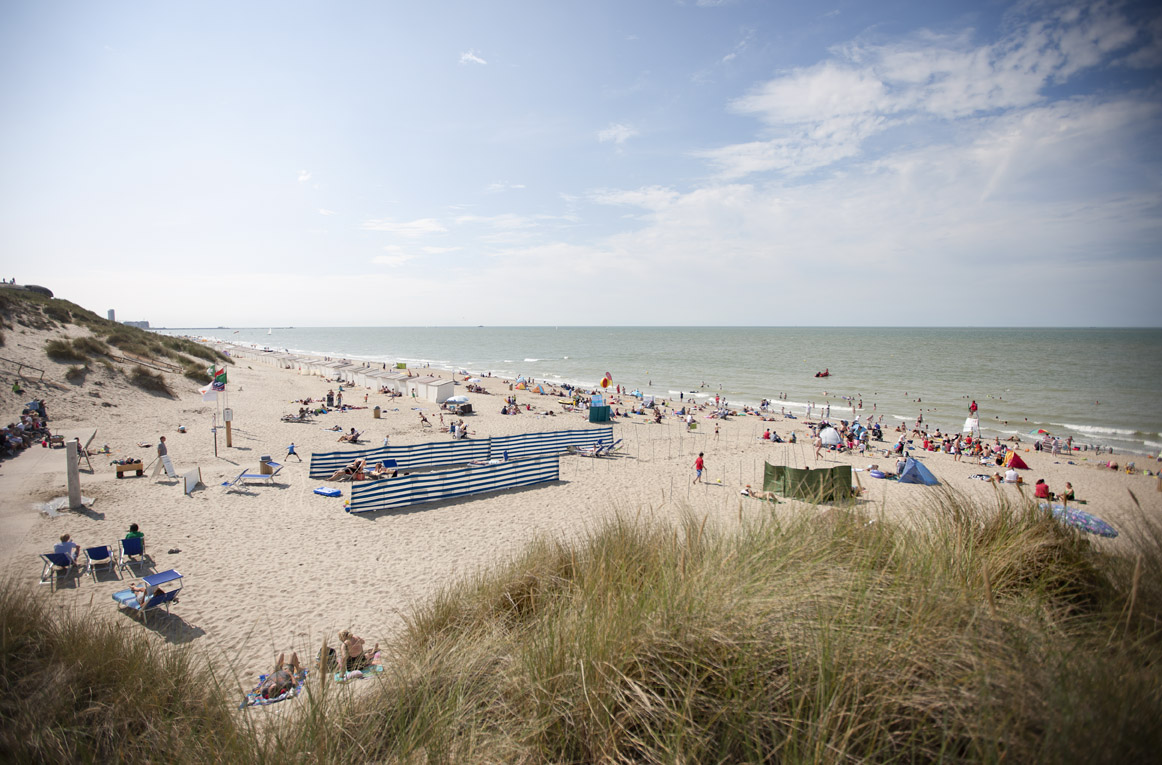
<point>255,699</point>
<point>1087,522</point>
<point>358,674</point>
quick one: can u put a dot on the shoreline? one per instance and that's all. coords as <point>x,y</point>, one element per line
<point>1094,439</point>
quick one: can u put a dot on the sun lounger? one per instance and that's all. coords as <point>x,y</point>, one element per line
<point>245,478</point>
<point>55,563</point>
<point>153,599</point>
<point>95,557</point>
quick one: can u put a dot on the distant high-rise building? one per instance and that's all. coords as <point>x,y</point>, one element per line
<point>112,315</point>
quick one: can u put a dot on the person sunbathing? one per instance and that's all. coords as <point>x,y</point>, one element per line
<point>352,656</point>
<point>143,594</point>
<point>383,471</point>
<point>352,437</point>
<point>352,470</point>
<point>282,679</point>
<point>767,495</point>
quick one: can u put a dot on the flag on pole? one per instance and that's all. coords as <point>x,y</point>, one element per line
<point>219,378</point>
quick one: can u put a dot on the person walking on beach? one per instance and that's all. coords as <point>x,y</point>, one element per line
<point>162,450</point>
<point>699,466</point>
<point>290,452</point>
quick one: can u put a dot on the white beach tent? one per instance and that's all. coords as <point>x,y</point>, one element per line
<point>830,436</point>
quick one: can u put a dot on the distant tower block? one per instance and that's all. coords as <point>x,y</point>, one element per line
<point>112,315</point>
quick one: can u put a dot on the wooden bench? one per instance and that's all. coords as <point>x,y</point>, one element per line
<point>139,467</point>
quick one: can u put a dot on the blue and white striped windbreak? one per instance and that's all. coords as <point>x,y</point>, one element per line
<point>444,453</point>
<point>369,496</point>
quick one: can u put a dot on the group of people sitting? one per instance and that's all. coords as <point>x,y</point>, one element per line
<point>32,426</point>
<point>356,470</point>
<point>351,656</point>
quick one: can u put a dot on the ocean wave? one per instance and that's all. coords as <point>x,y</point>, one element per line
<point>530,361</point>
<point>1096,429</point>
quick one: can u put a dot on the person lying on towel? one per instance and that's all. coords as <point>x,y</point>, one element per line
<point>282,679</point>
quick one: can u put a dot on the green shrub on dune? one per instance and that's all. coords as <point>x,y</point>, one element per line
<point>64,352</point>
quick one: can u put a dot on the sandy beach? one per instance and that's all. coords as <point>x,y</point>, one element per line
<point>278,567</point>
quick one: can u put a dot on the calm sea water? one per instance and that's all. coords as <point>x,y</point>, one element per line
<point>1101,386</point>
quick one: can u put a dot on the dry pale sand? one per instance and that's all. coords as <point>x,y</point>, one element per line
<point>279,567</point>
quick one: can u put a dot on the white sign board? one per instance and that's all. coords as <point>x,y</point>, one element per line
<point>191,480</point>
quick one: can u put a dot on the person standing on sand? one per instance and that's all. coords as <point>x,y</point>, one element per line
<point>290,452</point>
<point>161,448</point>
<point>699,466</point>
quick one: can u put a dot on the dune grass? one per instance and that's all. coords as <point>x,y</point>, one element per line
<point>154,382</point>
<point>88,690</point>
<point>975,634</point>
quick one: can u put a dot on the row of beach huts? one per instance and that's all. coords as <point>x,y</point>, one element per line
<point>369,375</point>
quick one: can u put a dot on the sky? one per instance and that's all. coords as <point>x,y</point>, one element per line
<point>608,162</point>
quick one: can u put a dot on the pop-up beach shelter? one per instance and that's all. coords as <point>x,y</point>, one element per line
<point>830,436</point>
<point>915,472</point>
<point>1014,461</point>
<point>825,485</point>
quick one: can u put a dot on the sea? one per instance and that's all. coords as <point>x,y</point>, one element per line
<point>1103,387</point>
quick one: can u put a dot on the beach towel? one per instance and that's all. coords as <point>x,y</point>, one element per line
<point>1087,522</point>
<point>323,490</point>
<point>358,674</point>
<point>255,699</point>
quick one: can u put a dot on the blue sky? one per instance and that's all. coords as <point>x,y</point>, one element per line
<point>635,162</point>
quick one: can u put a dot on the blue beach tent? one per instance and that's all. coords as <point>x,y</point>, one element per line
<point>915,472</point>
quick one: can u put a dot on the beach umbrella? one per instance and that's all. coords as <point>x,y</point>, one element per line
<point>474,379</point>
<point>456,400</point>
<point>1038,432</point>
<point>830,436</point>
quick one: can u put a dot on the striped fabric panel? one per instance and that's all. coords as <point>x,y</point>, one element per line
<point>369,496</point>
<point>409,457</point>
<point>553,442</point>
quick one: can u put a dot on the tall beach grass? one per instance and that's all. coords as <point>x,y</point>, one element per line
<point>973,634</point>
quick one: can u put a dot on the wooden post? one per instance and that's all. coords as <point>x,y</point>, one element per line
<point>229,435</point>
<point>72,471</point>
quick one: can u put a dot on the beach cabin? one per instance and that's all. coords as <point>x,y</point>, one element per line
<point>394,382</point>
<point>431,388</point>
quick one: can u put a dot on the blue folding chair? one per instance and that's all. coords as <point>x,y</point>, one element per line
<point>55,563</point>
<point>132,553</point>
<point>95,557</point>
<point>152,598</point>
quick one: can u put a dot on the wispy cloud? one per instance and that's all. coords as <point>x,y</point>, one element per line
<point>496,188</point>
<point>304,176</point>
<point>819,115</point>
<point>393,256</point>
<point>325,211</point>
<point>472,57</point>
<point>616,133</point>
<point>414,228</point>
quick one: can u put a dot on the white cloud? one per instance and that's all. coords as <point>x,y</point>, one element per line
<point>439,250</point>
<point>418,227</point>
<point>325,211</point>
<point>395,256</point>
<point>472,57</point>
<point>495,188</point>
<point>304,176</point>
<point>819,115</point>
<point>616,133</point>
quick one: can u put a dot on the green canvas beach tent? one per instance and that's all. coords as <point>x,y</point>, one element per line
<point>823,485</point>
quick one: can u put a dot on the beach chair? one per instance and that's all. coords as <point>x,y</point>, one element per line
<point>95,557</point>
<point>132,553</point>
<point>153,599</point>
<point>244,478</point>
<point>55,563</point>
